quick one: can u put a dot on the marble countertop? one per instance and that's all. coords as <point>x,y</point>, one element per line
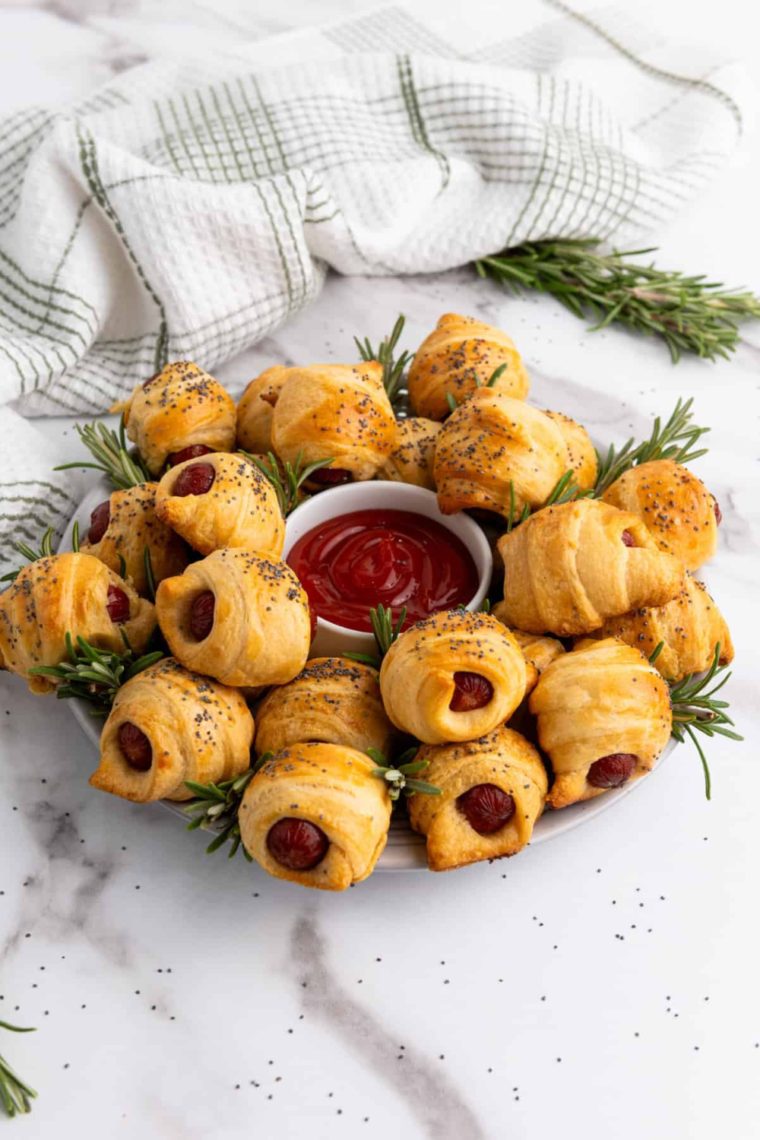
<point>606,979</point>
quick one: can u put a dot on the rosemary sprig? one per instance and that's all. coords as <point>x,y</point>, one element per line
<point>400,777</point>
<point>565,490</point>
<point>453,402</point>
<point>674,441</point>
<point>393,368</point>
<point>15,1094</point>
<point>110,452</point>
<point>695,709</point>
<point>381,620</point>
<point>217,807</point>
<point>32,555</point>
<point>287,487</point>
<point>689,313</point>
<point>95,675</point>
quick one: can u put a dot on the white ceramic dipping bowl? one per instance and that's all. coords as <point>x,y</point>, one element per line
<point>333,640</point>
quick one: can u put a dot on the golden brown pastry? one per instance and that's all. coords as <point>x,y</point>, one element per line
<point>676,507</point>
<point>538,651</point>
<point>460,354</point>
<point>127,525</point>
<point>169,725</point>
<point>411,460</point>
<point>493,791</point>
<point>338,411</point>
<point>603,718</point>
<point>453,676</point>
<point>221,501</point>
<point>238,616</point>
<point>333,701</point>
<point>569,567</point>
<point>315,815</point>
<point>496,453</point>
<point>68,593</point>
<point>256,408</point>
<point>690,627</point>
<point>581,453</point>
<point>179,408</point>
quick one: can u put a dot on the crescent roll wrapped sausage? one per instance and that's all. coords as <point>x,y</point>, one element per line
<point>179,408</point>
<point>256,409</point>
<point>569,567</point>
<point>675,506</point>
<point>68,593</point>
<point>238,616</point>
<point>604,717</point>
<point>169,725</point>
<point>221,501</point>
<point>453,676</point>
<point>498,454</point>
<point>127,525</point>
<point>412,458</point>
<point>689,627</point>
<point>338,411</point>
<point>460,354</point>
<point>333,701</point>
<point>315,815</point>
<point>492,792</point>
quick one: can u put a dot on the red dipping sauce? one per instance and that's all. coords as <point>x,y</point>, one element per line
<point>397,558</point>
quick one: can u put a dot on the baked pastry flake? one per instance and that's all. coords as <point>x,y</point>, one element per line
<point>337,411</point>
<point>498,454</point>
<point>332,701</point>
<point>460,354</point>
<point>315,815</point>
<point>493,791</point>
<point>127,525</point>
<point>240,617</point>
<point>411,460</point>
<point>453,676</point>
<point>256,409</point>
<point>690,627</point>
<point>68,593</point>
<point>220,501</point>
<point>603,716</point>
<point>180,407</point>
<point>169,725</point>
<point>675,506</point>
<point>569,567</point>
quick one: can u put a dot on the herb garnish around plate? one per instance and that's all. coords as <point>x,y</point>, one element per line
<point>95,675</point>
<point>675,440</point>
<point>381,620</point>
<point>15,1094</point>
<point>31,555</point>
<point>393,368</point>
<point>689,313</point>
<point>400,776</point>
<point>695,709</point>
<point>288,480</point>
<point>111,455</point>
<point>218,806</point>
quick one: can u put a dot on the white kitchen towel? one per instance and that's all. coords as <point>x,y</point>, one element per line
<point>191,205</point>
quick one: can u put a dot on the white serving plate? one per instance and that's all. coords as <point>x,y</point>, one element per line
<point>405,850</point>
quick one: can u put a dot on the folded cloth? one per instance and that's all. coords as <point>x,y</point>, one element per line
<point>190,206</point>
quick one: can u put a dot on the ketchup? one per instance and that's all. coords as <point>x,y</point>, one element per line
<point>397,558</point>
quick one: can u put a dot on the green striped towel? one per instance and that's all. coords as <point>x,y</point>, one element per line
<point>190,206</point>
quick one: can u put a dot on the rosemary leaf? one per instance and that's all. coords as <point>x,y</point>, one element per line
<point>688,313</point>
<point>393,367</point>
